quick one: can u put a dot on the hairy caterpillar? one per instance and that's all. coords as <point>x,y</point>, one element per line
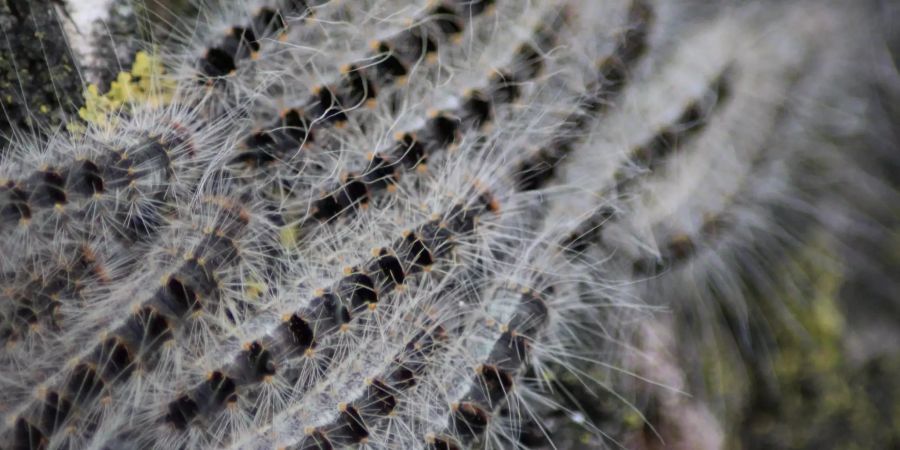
<point>392,224</point>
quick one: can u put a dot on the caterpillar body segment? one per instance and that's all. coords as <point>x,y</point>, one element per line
<point>295,129</point>
<point>651,154</point>
<point>112,183</point>
<point>750,97</point>
<point>183,297</point>
<point>516,333</point>
<point>244,41</point>
<point>364,169</point>
<point>285,425</point>
<point>116,189</point>
<point>691,242</point>
<point>609,76</point>
<point>301,350</point>
<point>38,300</point>
<point>382,41</point>
<point>380,397</point>
<point>238,34</point>
<point>412,149</point>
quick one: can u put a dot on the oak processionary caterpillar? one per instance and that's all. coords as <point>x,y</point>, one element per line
<point>397,223</point>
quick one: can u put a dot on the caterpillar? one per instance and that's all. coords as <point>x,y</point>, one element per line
<point>317,224</point>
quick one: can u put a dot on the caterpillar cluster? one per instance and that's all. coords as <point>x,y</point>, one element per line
<point>387,223</point>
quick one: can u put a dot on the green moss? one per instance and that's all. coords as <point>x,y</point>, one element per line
<point>815,398</point>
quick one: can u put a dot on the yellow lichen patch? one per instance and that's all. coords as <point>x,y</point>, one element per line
<point>254,289</point>
<point>146,84</point>
<point>632,420</point>
<point>288,236</point>
<point>96,106</point>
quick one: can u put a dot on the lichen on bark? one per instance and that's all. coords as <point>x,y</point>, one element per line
<point>40,83</point>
